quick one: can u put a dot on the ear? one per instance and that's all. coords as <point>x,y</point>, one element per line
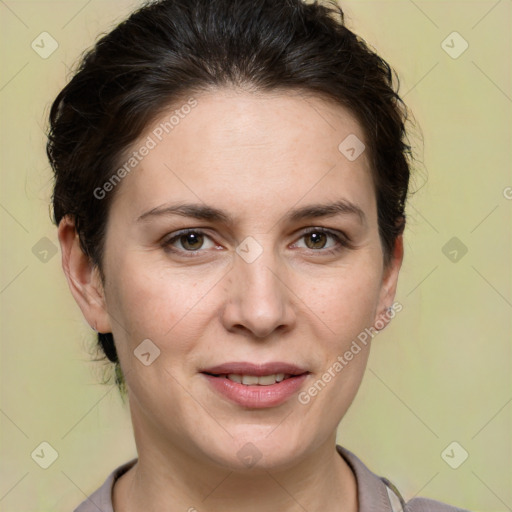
<point>83,278</point>
<point>389,284</point>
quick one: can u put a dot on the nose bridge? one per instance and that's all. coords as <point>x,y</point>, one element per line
<point>260,276</point>
<point>259,299</point>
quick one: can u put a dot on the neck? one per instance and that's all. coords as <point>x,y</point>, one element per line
<point>170,478</point>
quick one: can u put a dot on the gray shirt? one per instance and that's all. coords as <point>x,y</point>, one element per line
<point>375,494</point>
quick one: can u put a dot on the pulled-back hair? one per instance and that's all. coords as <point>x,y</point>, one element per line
<point>169,50</point>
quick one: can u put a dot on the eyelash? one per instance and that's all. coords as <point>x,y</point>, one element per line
<point>342,240</point>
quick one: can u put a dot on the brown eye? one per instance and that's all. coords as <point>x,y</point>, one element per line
<point>317,238</point>
<point>191,241</point>
<point>188,241</point>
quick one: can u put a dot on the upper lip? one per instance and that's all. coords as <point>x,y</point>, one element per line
<point>246,368</point>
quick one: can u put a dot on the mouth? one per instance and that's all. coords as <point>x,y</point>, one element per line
<point>254,380</point>
<point>256,386</point>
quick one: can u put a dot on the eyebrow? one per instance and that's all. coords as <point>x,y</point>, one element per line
<point>209,213</point>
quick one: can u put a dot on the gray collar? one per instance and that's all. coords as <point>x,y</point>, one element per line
<point>374,493</point>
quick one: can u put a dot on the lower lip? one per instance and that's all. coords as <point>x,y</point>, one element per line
<point>257,397</point>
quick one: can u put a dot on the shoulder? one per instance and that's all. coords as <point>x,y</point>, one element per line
<point>378,493</point>
<point>101,499</point>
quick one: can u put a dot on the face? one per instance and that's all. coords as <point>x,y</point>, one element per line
<point>279,271</point>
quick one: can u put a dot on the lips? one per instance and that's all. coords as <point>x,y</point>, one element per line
<point>256,386</point>
<point>258,370</point>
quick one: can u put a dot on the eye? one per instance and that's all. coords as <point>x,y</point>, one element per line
<point>191,240</point>
<point>316,239</point>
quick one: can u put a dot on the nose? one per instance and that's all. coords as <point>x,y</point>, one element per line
<point>259,298</point>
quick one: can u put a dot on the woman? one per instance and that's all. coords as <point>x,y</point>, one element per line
<point>231,179</point>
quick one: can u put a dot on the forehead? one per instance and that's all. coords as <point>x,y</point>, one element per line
<point>240,147</point>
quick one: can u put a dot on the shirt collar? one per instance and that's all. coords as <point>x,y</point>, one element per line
<point>372,492</point>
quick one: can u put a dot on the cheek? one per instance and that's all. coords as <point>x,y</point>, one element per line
<point>345,301</point>
<point>345,305</point>
<point>164,306</point>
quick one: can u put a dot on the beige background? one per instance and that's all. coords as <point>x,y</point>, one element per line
<point>440,373</point>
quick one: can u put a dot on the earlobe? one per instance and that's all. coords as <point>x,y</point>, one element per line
<point>83,277</point>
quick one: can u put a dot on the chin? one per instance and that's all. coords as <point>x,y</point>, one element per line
<point>251,448</point>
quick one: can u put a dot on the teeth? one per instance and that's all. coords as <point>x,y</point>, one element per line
<point>250,380</point>
<point>253,380</point>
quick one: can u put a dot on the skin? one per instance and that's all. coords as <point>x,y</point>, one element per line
<point>256,156</point>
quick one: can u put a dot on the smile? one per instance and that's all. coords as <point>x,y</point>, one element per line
<point>255,391</point>
<point>254,380</point>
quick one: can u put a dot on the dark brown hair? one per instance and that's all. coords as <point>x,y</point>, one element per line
<point>171,49</point>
